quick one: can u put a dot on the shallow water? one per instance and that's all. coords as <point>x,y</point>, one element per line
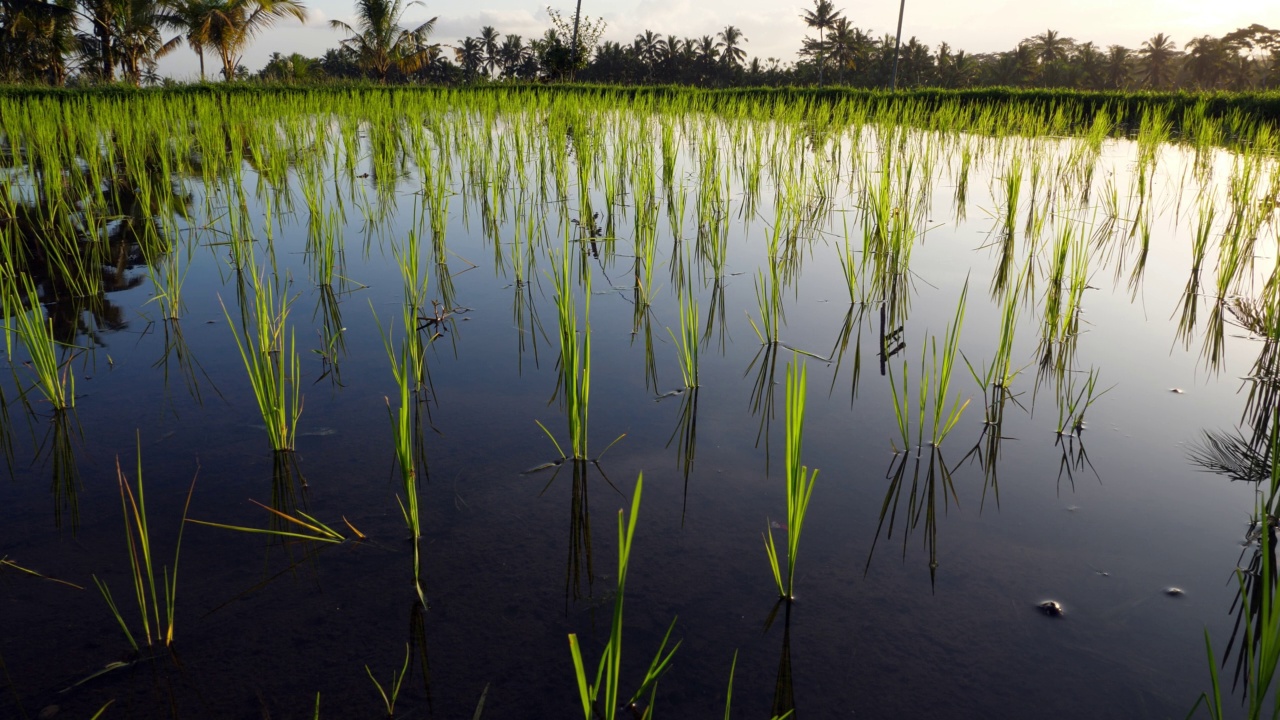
<point>1101,520</point>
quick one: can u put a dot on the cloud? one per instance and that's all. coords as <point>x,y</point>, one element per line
<point>317,18</point>
<point>510,22</point>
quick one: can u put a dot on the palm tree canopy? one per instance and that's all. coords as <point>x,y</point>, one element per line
<point>235,22</point>
<point>379,41</point>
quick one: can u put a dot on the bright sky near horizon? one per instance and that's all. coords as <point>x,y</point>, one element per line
<point>774,29</point>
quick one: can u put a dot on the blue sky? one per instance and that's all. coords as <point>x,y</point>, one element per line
<point>774,29</point>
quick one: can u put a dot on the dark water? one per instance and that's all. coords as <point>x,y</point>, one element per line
<point>1101,521</point>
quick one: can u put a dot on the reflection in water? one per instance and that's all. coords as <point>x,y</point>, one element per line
<point>58,450</point>
<point>1260,318</point>
<point>6,432</point>
<point>78,255</point>
<point>765,364</point>
<point>685,436</point>
<point>1241,459</point>
<point>921,504</point>
<point>784,700</point>
<point>1074,459</point>
<point>853,318</point>
<point>286,481</point>
<point>464,152</point>
<point>333,339</point>
<point>578,566</point>
<point>528,326</point>
<point>177,352</point>
<point>1254,601</point>
<point>987,448</point>
<point>418,647</point>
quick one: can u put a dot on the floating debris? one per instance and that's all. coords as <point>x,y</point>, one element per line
<point>1177,391</point>
<point>1174,592</point>
<point>1051,608</point>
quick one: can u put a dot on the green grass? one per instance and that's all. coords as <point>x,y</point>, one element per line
<point>936,369</point>
<point>799,483</point>
<point>35,333</point>
<point>314,529</point>
<point>600,697</point>
<point>271,360</point>
<point>390,693</point>
<point>157,618</point>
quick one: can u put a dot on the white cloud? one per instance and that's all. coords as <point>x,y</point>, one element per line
<point>317,17</point>
<point>509,22</point>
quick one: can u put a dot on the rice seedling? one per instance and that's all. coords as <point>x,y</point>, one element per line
<point>5,562</point>
<point>574,382</point>
<point>1012,183</point>
<point>945,419</point>
<point>600,698</point>
<point>688,341</point>
<point>1260,645</point>
<point>1199,247</point>
<point>996,378</point>
<point>143,571</point>
<point>391,692</point>
<point>1072,405</point>
<point>799,483</point>
<point>932,389</point>
<point>273,366</point>
<point>35,332</point>
<point>168,273</point>
<point>769,305</point>
<point>306,527</point>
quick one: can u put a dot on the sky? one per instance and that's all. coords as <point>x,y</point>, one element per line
<point>774,29</point>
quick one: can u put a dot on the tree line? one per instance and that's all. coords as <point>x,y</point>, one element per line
<point>88,41</point>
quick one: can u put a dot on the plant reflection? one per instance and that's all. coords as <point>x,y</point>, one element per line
<point>921,502</point>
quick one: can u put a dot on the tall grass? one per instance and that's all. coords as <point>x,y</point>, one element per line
<point>799,483</point>
<point>1261,643</point>
<point>575,355</point>
<point>933,387</point>
<point>271,359</point>
<point>689,340</point>
<point>600,697</point>
<point>35,333</point>
<point>406,433</point>
<point>157,618</point>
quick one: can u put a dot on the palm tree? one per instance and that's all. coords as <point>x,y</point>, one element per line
<point>379,41</point>
<point>489,44</point>
<point>195,18</point>
<point>236,22</point>
<point>99,47</point>
<point>1117,71</point>
<point>842,47</point>
<point>513,52</point>
<point>1208,59</point>
<point>1090,63</point>
<point>731,53</point>
<point>647,44</point>
<point>137,33</point>
<point>823,16</point>
<point>1156,60</point>
<point>36,38</point>
<point>706,53</point>
<point>470,55</point>
<point>1051,47</point>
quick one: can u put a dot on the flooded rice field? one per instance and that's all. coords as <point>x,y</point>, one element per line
<point>338,404</point>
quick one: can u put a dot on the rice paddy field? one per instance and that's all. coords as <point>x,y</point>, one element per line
<point>381,403</point>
